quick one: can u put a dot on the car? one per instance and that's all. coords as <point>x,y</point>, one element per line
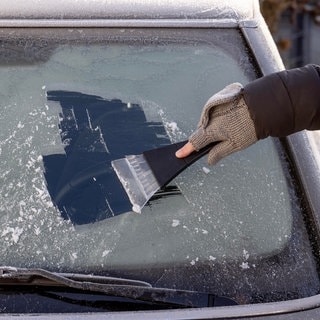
<point>83,83</point>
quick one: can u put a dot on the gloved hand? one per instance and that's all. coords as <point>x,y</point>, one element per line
<point>226,118</point>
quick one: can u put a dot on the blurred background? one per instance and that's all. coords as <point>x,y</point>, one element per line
<point>295,26</point>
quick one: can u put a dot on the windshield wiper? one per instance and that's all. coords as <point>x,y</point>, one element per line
<point>117,287</point>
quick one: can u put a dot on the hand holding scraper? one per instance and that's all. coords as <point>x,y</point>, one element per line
<point>143,175</point>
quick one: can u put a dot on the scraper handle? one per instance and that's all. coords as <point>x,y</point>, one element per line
<point>166,166</point>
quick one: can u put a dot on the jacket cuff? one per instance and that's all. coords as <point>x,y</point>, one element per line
<point>285,102</point>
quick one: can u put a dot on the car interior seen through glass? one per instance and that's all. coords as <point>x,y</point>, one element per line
<point>74,100</point>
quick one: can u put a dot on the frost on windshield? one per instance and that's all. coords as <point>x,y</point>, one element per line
<point>50,143</point>
<point>234,228</point>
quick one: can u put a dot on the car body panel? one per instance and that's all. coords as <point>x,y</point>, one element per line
<point>243,15</point>
<point>127,9</point>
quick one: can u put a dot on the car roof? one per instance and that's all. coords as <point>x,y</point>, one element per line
<point>128,9</point>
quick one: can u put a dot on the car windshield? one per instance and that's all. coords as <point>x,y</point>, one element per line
<point>74,100</point>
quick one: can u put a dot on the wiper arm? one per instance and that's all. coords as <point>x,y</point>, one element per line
<point>118,287</point>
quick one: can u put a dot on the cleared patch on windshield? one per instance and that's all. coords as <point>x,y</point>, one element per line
<point>94,131</point>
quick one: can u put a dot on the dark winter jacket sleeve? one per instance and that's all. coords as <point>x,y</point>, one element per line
<point>285,102</point>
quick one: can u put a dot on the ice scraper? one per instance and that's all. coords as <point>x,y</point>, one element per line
<point>144,174</point>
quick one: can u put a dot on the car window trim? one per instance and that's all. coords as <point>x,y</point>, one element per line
<point>118,23</point>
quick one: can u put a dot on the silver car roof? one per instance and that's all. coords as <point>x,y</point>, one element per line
<point>128,9</point>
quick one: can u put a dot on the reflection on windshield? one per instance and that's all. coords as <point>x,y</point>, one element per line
<point>94,131</point>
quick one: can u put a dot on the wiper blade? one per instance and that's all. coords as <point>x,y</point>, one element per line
<point>38,276</point>
<point>117,287</point>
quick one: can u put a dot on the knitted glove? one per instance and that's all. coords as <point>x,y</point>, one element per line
<point>226,118</point>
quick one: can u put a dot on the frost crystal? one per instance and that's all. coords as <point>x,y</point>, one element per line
<point>175,223</point>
